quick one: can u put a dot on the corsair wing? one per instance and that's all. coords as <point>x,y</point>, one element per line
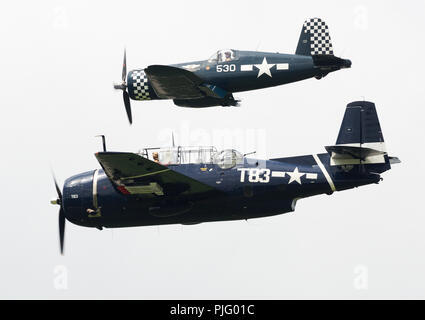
<point>174,83</point>
<point>177,83</point>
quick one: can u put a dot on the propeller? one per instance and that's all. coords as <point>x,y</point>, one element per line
<point>58,201</point>
<point>123,86</point>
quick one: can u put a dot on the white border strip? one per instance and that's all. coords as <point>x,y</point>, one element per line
<point>246,67</point>
<point>278,174</point>
<point>311,176</point>
<point>95,176</point>
<point>325,172</point>
<point>282,66</point>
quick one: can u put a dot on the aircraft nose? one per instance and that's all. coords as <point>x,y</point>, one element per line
<point>138,85</point>
<point>77,195</point>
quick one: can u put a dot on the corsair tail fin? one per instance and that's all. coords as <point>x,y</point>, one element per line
<point>314,39</point>
<point>360,139</point>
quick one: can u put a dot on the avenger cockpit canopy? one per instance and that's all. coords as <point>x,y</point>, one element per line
<point>225,159</point>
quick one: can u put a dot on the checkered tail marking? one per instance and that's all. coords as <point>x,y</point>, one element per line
<point>320,40</point>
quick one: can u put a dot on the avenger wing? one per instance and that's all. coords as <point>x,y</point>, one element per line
<point>133,174</point>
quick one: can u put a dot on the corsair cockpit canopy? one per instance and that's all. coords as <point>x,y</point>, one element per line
<point>223,55</point>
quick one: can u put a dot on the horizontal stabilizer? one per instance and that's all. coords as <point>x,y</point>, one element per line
<point>348,155</point>
<point>394,160</point>
<point>360,139</point>
<point>354,152</point>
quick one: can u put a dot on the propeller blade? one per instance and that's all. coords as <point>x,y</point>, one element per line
<point>61,213</point>
<point>124,67</point>
<point>61,228</point>
<point>58,190</point>
<point>127,106</point>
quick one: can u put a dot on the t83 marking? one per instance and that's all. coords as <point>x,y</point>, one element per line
<point>255,175</point>
<point>263,175</point>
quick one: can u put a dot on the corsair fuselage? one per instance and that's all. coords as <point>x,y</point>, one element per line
<point>250,70</point>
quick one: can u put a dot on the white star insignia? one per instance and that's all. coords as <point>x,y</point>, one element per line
<point>264,68</point>
<point>295,176</point>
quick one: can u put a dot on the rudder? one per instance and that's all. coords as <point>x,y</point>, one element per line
<point>314,39</point>
<point>360,139</point>
<point>360,125</point>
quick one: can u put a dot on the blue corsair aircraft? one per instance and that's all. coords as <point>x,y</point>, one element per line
<point>211,82</point>
<point>184,185</point>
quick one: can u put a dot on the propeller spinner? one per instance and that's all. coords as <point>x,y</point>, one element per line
<point>123,86</point>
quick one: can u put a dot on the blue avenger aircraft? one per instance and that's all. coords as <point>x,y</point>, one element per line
<point>212,82</point>
<point>186,185</point>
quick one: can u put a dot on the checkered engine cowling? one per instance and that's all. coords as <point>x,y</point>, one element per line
<point>139,87</point>
<point>320,40</point>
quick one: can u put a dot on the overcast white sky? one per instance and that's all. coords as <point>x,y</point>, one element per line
<point>58,62</point>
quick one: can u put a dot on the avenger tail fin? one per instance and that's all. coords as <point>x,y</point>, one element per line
<point>360,139</point>
<point>360,125</point>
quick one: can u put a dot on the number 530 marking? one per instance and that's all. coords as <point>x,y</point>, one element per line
<point>226,68</point>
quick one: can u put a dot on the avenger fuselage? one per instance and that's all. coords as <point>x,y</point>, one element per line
<point>254,188</point>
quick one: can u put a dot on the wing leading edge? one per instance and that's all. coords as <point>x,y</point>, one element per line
<point>186,88</point>
<point>133,174</point>
<point>174,83</point>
